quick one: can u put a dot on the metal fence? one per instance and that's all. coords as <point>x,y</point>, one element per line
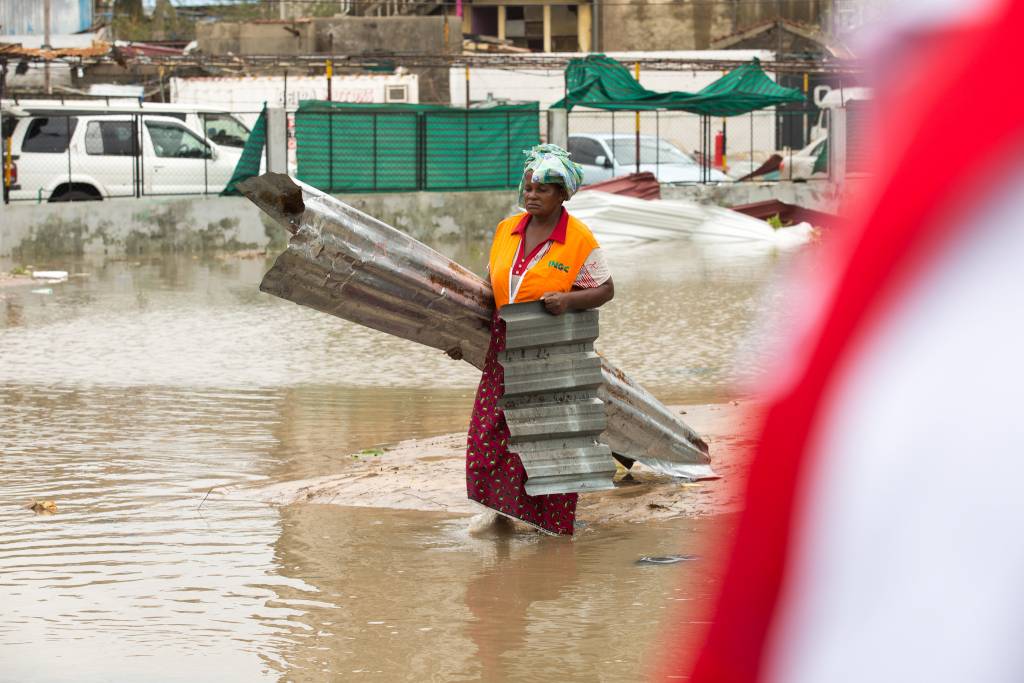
<point>90,156</point>
<point>402,150</point>
<point>94,156</point>
<point>680,147</point>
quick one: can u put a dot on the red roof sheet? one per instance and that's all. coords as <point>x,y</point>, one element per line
<point>642,185</point>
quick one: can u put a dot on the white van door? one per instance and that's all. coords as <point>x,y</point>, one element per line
<point>177,160</point>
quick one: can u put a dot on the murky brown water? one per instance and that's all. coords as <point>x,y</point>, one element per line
<point>128,394</point>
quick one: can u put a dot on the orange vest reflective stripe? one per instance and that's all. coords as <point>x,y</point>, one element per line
<point>556,271</point>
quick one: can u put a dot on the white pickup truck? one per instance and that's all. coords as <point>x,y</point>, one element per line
<point>77,157</point>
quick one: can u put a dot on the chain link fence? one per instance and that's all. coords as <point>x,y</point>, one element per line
<point>679,147</point>
<point>356,148</point>
<point>86,156</point>
<point>101,156</point>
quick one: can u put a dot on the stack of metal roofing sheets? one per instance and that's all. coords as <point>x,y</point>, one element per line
<point>554,416</point>
<point>351,265</point>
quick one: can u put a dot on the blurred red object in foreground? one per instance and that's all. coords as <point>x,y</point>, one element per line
<point>881,535</point>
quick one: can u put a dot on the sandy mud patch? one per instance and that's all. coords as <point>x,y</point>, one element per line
<point>429,475</point>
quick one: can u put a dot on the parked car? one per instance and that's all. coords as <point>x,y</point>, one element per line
<point>788,165</point>
<point>604,156</point>
<point>224,128</point>
<point>90,157</point>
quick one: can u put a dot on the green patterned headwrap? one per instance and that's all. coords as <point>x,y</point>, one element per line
<point>551,164</point>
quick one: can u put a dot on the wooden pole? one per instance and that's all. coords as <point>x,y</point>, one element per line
<point>547,28</point>
<point>584,22</point>
<point>46,45</point>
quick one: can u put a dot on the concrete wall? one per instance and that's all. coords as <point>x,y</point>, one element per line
<point>387,35</point>
<point>670,25</point>
<point>194,224</point>
<point>395,35</point>
<point>342,36</point>
<point>332,35</point>
<point>821,195</point>
<point>252,38</point>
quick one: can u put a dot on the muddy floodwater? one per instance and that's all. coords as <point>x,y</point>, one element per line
<point>135,391</point>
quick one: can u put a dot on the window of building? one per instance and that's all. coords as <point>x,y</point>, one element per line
<point>397,93</point>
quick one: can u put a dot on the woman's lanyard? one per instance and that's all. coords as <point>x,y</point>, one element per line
<point>540,251</point>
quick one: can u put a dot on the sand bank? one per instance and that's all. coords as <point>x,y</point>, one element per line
<point>429,474</point>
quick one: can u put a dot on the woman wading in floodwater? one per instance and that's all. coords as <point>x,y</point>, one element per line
<point>543,254</point>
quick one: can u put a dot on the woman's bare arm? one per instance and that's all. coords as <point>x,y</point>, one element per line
<point>558,303</point>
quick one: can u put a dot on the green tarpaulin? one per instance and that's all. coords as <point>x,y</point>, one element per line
<point>248,165</point>
<point>600,82</point>
<point>342,147</point>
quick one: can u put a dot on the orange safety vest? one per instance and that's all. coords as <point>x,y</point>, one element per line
<point>556,271</point>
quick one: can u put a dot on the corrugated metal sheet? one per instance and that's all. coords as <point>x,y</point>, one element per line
<point>617,218</point>
<point>343,262</point>
<point>351,265</point>
<point>788,213</point>
<point>97,49</point>
<point>19,17</point>
<point>640,185</point>
<point>554,416</point>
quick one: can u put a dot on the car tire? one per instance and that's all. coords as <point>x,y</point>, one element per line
<point>76,196</point>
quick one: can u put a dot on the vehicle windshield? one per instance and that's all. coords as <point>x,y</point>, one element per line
<point>652,151</point>
<point>225,129</point>
<point>176,142</point>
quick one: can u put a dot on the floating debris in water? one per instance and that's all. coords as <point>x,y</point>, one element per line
<point>56,275</point>
<point>42,507</point>
<point>666,559</point>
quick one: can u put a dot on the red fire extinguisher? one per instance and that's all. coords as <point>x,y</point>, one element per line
<point>719,159</point>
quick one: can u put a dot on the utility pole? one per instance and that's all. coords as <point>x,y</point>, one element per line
<point>46,46</point>
<point>778,29</point>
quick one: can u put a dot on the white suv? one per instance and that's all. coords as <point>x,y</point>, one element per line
<point>91,157</point>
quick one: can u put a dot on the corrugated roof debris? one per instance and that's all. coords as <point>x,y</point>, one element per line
<point>97,49</point>
<point>788,213</point>
<point>640,185</point>
<point>351,265</point>
<point>554,416</point>
<point>615,218</point>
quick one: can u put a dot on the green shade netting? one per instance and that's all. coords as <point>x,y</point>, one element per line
<point>599,82</point>
<point>248,165</point>
<point>821,162</point>
<point>342,147</point>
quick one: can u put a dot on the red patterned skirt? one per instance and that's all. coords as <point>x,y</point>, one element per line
<point>495,477</point>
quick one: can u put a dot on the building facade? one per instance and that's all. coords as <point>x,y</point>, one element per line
<point>628,25</point>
